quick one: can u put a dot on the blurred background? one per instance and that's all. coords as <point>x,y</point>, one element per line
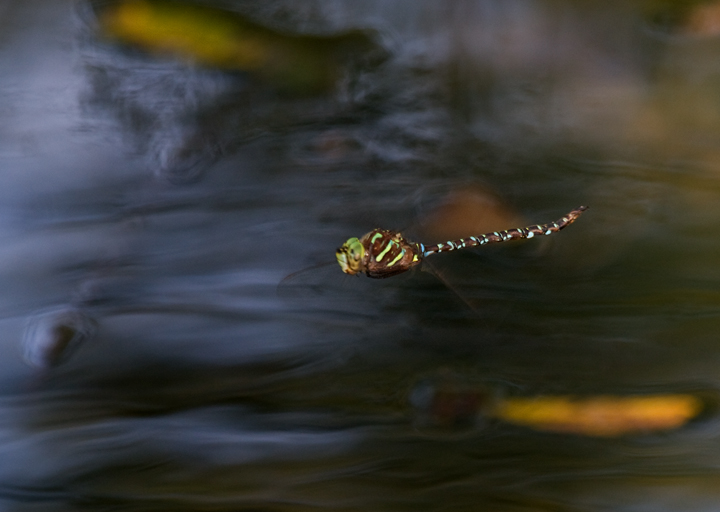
<point>177,175</point>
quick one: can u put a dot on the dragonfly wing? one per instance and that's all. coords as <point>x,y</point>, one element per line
<point>337,297</point>
<point>308,281</point>
<point>430,266</point>
<point>484,290</point>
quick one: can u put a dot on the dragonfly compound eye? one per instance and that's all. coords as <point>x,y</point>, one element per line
<point>350,256</point>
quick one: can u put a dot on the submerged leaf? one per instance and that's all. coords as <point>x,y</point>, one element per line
<point>217,38</point>
<point>465,211</point>
<point>703,20</point>
<point>600,415</point>
<point>51,336</point>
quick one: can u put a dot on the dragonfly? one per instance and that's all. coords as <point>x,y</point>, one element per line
<point>383,253</point>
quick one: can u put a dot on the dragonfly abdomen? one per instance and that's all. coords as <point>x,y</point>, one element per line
<point>508,234</point>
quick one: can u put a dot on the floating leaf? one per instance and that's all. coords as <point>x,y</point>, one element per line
<point>600,415</point>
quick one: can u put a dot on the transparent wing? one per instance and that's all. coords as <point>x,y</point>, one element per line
<point>324,289</point>
<point>477,284</point>
<point>310,281</point>
<point>480,279</point>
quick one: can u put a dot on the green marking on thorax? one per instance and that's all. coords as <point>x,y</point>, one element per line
<point>397,258</point>
<point>385,251</point>
<point>375,237</point>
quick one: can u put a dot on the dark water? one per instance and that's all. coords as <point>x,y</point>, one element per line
<point>163,203</point>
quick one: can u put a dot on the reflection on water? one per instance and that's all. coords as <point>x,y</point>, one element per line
<point>151,207</point>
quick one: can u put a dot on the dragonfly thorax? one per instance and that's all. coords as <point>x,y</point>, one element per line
<point>379,253</point>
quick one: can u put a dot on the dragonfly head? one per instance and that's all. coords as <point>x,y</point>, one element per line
<point>350,256</point>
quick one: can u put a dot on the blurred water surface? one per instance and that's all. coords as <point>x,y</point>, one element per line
<point>164,202</point>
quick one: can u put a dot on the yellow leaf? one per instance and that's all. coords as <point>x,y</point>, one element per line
<point>600,415</point>
<point>226,40</point>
